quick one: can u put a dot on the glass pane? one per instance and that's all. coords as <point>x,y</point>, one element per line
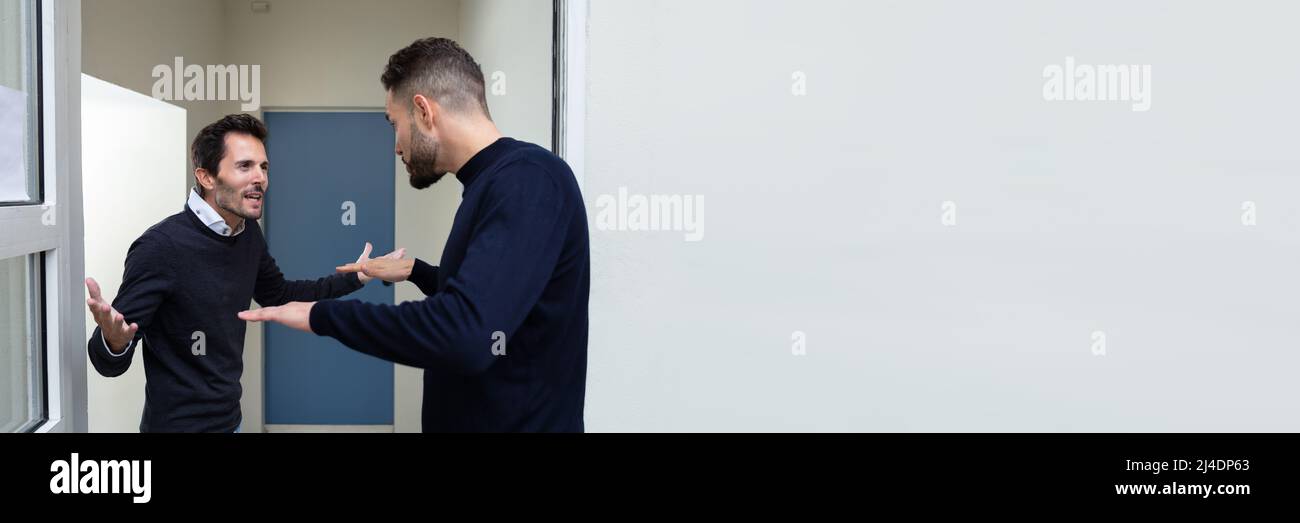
<point>19,170</point>
<point>22,390</point>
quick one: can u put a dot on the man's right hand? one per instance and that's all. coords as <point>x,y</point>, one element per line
<point>112,325</point>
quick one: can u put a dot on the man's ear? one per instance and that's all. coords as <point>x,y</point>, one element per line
<point>426,112</point>
<point>205,179</point>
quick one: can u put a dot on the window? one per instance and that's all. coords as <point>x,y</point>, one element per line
<point>22,369</point>
<point>19,103</point>
<point>42,315</point>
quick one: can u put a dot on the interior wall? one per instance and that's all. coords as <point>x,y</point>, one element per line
<point>511,40</point>
<point>122,41</point>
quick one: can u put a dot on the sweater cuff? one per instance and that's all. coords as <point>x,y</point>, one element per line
<point>318,319</point>
<point>421,271</point>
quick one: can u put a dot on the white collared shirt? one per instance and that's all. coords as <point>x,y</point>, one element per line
<point>209,216</point>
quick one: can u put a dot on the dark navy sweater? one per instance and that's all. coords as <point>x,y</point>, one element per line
<point>185,284</point>
<point>502,333</point>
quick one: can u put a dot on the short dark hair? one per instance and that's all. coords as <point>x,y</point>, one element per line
<point>210,144</point>
<point>439,69</point>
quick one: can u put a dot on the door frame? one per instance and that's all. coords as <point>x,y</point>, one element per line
<point>569,84</point>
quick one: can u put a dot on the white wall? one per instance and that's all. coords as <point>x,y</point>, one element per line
<point>823,216</point>
<point>511,40</point>
<point>132,146</point>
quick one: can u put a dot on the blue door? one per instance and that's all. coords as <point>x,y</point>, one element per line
<point>331,191</point>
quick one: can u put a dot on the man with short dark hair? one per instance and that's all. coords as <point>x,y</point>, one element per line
<point>502,333</point>
<point>188,276</point>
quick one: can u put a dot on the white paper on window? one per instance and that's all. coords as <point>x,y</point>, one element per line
<point>13,123</point>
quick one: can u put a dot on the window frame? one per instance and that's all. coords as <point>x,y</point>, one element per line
<point>59,244</point>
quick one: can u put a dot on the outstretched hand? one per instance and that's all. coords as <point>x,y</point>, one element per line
<point>390,268</point>
<point>112,325</point>
<point>365,258</point>
<point>296,315</point>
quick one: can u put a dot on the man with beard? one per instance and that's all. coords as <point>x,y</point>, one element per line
<point>186,279</point>
<point>502,333</point>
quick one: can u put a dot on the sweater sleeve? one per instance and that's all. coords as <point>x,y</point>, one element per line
<point>146,282</point>
<point>272,289</point>
<point>425,277</point>
<point>512,253</point>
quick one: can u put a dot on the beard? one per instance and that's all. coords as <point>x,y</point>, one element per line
<point>232,201</point>
<point>424,161</point>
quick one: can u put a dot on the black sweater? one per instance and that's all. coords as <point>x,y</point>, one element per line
<point>184,285</point>
<point>515,276</point>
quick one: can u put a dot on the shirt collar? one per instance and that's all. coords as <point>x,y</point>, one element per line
<point>209,216</point>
